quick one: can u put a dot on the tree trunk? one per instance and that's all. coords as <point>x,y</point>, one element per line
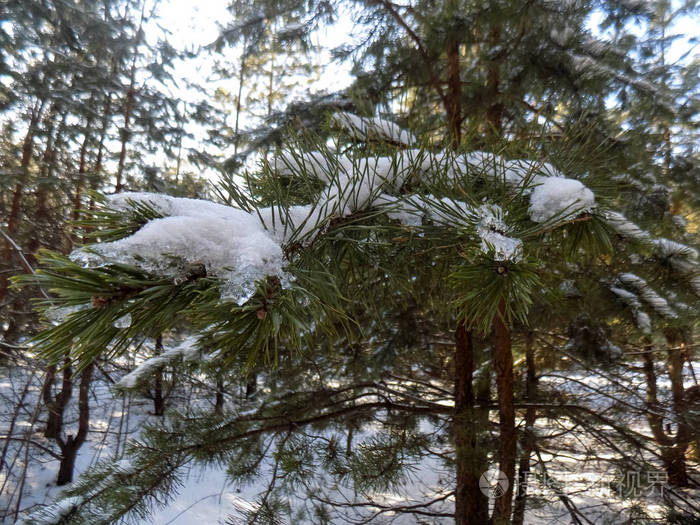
<point>454,95</point>
<point>13,215</point>
<point>494,111</point>
<point>125,133</point>
<point>158,398</point>
<point>672,449</point>
<point>675,457</point>
<point>219,404</point>
<point>70,447</point>
<point>42,215</point>
<point>67,465</point>
<point>79,180</point>
<point>506,414</point>
<point>251,386</point>
<point>56,405</point>
<point>471,505</point>
<point>241,78</point>
<point>528,439</point>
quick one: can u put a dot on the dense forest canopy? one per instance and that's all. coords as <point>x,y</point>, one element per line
<point>461,288</point>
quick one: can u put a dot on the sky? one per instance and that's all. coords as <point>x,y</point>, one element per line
<point>192,25</point>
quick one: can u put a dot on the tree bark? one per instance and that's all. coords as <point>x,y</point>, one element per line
<point>251,386</point>
<point>673,448</point>
<point>219,404</point>
<point>48,160</point>
<point>454,95</point>
<point>471,505</point>
<point>528,439</point>
<point>13,215</point>
<point>125,133</point>
<point>56,405</point>
<point>158,398</point>
<point>677,473</point>
<point>506,414</point>
<point>71,445</point>
<point>494,111</point>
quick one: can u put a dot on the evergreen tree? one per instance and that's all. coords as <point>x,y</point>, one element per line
<point>378,283</point>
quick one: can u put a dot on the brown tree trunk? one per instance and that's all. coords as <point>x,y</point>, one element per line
<point>677,473</point>
<point>241,78</point>
<point>219,404</point>
<point>528,439</point>
<point>71,445</point>
<point>251,386</point>
<point>67,464</point>
<point>494,111</point>
<point>471,505</point>
<point>506,414</point>
<point>454,95</point>
<point>672,448</point>
<point>79,180</point>
<point>48,159</point>
<point>13,215</point>
<point>56,405</point>
<point>158,398</point>
<point>125,133</point>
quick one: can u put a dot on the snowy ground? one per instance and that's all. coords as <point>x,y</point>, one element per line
<point>207,496</point>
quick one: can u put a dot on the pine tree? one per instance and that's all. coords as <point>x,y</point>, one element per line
<point>385,281</point>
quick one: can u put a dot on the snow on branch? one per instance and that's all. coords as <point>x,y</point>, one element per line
<point>242,247</point>
<point>187,350</point>
<point>625,228</point>
<point>641,318</point>
<point>649,296</point>
<point>373,128</point>
<point>682,258</point>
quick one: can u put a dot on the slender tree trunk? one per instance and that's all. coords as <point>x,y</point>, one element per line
<point>13,215</point>
<point>494,111</point>
<point>180,134</point>
<point>506,415</point>
<point>219,404</point>
<point>48,159</point>
<point>67,464</point>
<point>672,449</point>
<point>241,78</point>
<point>80,179</point>
<point>56,405</point>
<point>528,440</point>
<point>94,184</point>
<point>125,133</point>
<point>70,447</point>
<point>158,398</point>
<point>471,505</point>
<point>251,386</point>
<point>27,152</point>
<point>454,95</point>
<point>677,473</point>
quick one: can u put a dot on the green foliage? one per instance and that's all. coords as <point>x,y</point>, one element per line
<point>94,300</point>
<point>487,289</point>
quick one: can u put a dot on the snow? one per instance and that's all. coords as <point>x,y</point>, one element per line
<point>642,319</point>
<point>671,249</point>
<point>626,228</point>
<point>373,127</point>
<point>314,163</point>
<point>559,197</point>
<point>491,230</point>
<point>232,243</point>
<point>187,350</point>
<point>648,294</point>
<point>682,258</point>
